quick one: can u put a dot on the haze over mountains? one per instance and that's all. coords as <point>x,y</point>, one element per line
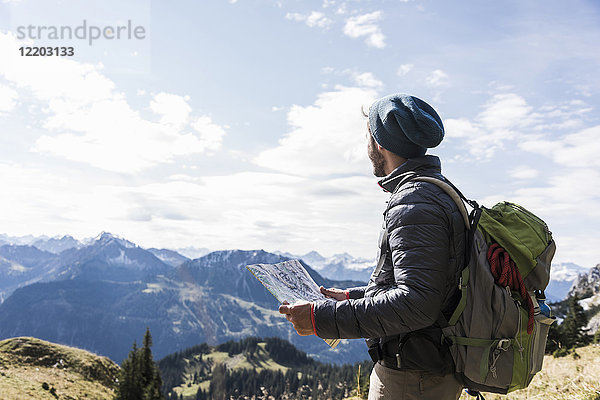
<point>99,294</point>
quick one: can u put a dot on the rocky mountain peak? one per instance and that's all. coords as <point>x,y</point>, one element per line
<point>587,284</point>
<point>105,238</point>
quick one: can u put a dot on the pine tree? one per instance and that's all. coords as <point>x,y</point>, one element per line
<point>573,327</point>
<point>130,382</point>
<point>218,383</point>
<point>555,339</point>
<point>140,377</point>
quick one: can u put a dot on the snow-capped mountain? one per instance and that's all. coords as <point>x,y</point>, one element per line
<point>562,277</point>
<point>587,284</point>
<point>170,257</point>
<point>587,287</point>
<point>56,245</point>
<point>192,252</point>
<point>339,266</point>
<point>19,240</point>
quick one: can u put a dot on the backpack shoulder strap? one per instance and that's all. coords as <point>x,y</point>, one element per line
<point>447,187</point>
<point>450,191</point>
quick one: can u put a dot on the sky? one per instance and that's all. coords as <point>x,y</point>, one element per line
<point>236,124</point>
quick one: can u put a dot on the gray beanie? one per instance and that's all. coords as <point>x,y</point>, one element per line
<point>405,125</point>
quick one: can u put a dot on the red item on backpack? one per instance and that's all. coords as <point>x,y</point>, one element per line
<point>506,274</point>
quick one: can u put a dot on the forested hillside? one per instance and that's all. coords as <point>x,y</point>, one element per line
<point>256,368</point>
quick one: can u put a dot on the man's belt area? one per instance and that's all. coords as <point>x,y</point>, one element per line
<point>387,354</point>
<point>422,350</point>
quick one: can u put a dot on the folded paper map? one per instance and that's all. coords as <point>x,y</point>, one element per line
<point>289,282</point>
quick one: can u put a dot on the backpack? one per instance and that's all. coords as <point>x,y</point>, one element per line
<point>497,332</point>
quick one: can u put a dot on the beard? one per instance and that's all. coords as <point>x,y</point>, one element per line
<point>376,158</point>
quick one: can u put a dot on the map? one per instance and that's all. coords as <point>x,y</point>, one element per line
<point>289,281</point>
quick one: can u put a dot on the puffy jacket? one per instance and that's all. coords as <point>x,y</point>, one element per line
<point>419,278</point>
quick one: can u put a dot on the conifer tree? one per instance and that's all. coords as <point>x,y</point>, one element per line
<point>218,383</point>
<point>573,327</point>
<point>140,377</point>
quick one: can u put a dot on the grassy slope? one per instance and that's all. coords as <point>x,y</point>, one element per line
<point>26,363</point>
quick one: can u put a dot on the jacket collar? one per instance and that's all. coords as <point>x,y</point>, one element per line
<point>427,164</point>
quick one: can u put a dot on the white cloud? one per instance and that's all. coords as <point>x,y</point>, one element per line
<point>173,109</point>
<point>249,209</point>
<point>211,134</point>
<point>505,117</point>
<point>366,25</point>
<point>314,19</point>
<point>404,69</point>
<point>524,172</point>
<point>505,111</point>
<point>579,149</point>
<point>437,78</point>
<point>88,120</point>
<point>327,137</point>
<point>367,79</point>
<point>8,98</point>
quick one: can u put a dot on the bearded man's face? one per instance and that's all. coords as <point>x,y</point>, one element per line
<point>376,158</point>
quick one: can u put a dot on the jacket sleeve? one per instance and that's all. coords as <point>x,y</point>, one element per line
<point>419,240</point>
<point>356,292</point>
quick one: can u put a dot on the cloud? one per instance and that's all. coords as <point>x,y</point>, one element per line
<point>88,120</point>
<point>173,109</point>
<point>404,69</point>
<point>253,209</point>
<point>366,25</point>
<point>436,79</point>
<point>8,98</point>
<point>367,79</point>
<point>580,149</point>
<point>505,117</point>
<point>327,137</point>
<point>523,172</point>
<point>505,111</point>
<point>314,19</point>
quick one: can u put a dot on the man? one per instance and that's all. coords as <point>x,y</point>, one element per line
<point>414,289</point>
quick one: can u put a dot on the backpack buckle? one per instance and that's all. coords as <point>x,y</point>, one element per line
<point>504,344</point>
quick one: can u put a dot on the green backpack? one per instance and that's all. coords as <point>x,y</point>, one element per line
<point>497,333</point>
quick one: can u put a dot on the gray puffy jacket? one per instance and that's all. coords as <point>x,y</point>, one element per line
<point>420,275</point>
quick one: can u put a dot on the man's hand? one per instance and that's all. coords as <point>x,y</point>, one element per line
<point>333,293</point>
<point>300,316</point>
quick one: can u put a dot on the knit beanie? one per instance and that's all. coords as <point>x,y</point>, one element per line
<point>405,125</point>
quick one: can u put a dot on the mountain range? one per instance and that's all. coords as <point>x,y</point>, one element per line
<point>101,294</point>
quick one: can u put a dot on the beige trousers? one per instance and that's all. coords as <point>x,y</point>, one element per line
<point>391,384</point>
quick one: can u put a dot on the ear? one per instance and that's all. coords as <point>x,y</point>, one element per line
<point>379,147</point>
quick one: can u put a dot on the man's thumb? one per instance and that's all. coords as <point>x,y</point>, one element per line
<point>284,309</point>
